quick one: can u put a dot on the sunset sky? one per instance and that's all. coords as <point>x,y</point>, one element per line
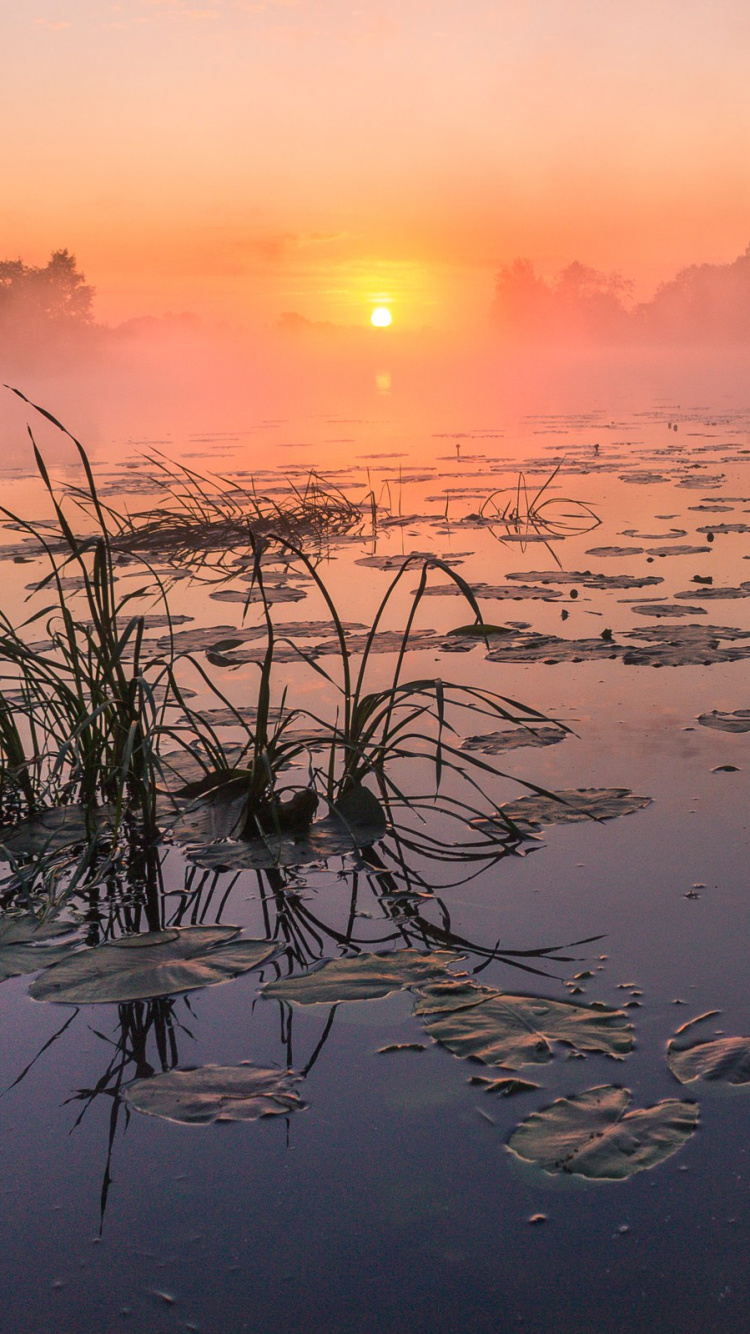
<point>242,159</point>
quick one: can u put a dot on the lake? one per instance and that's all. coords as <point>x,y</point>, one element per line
<point>518,966</point>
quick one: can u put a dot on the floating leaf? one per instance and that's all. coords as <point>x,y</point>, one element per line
<point>614,551</point>
<point>507,1086</point>
<point>155,963</point>
<point>356,821</point>
<point>714,1060</point>
<point>587,579</point>
<point>24,945</point>
<point>496,743</point>
<point>551,649</point>
<point>568,806</point>
<point>685,645</point>
<point>363,977</point>
<point>667,609</point>
<point>592,1135</point>
<point>53,830</point>
<point>512,1031</point>
<point>676,550</point>
<point>480,630</point>
<point>498,592</point>
<point>216,1093</point>
<point>739,721</point>
<point>715,593</point>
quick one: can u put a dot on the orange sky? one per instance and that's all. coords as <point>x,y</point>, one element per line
<point>242,159</point>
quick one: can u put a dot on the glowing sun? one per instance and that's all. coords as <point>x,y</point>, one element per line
<point>381,317</point>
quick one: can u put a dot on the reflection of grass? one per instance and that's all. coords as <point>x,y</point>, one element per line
<point>514,514</point>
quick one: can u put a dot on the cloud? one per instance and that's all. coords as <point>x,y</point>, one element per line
<point>52,25</point>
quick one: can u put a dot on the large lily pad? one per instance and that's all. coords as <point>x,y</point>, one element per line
<point>667,610</point>
<point>54,830</point>
<point>715,593</point>
<point>723,721</point>
<point>496,743</point>
<point>154,963</point>
<point>24,945</point>
<point>686,645</point>
<point>567,806</point>
<point>513,1031</point>
<point>719,1060</point>
<point>551,649</point>
<point>216,1093</point>
<point>593,1135</point>
<point>587,579</point>
<point>363,977</point>
<point>356,821</point>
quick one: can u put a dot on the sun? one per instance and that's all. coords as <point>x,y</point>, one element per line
<point>381,317</point>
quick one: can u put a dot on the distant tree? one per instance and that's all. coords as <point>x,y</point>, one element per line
<point>523,300</point>
<point>55,294</point>
<point>579,303</point>
<point>705,302</point>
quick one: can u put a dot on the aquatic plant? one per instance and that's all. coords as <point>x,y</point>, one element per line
<point>80,714</point>
<point>212,519</point>
<point>513,514</point>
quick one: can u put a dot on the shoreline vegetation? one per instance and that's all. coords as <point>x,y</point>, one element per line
<point>47,311</point>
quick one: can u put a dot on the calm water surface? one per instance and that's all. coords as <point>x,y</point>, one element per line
<point>392,1203</point>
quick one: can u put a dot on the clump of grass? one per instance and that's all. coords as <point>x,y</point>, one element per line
<point>80,714</point>
<point>204,516</point>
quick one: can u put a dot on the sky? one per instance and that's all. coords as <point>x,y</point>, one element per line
<point>242,159</point>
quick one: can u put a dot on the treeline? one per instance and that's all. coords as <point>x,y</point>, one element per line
<point>703,303</point>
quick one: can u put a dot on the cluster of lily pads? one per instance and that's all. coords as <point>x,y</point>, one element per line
<point>594,1134</point>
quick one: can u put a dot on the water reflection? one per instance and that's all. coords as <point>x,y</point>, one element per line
<point>154,1036</point>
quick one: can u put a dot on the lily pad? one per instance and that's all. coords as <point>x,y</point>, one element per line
<point>716,593</point>
<point>496,743</point>
<point>739,721</point>
<point>507,1086</point>
<point>273,592</point>
<point>356,821</point>
<point>720,1060</point>
<point>593,1135</point>
<point>53,830</point>
<point>513,1031</point>
<point>662,610</point>
<point>676,550</point>
<point>685,645</point>
<point>614,551</point>
<point>551,649</point>
<point>567,806</point>
<point>725,528</point>
<point>363,977</point>
<point>24,945</point>
<point>209,1093</point>
<point>155,963</point>
<point>499,592</point>
<point>588,580</point>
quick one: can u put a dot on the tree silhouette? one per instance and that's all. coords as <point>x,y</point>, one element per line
<point>55,294</point>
